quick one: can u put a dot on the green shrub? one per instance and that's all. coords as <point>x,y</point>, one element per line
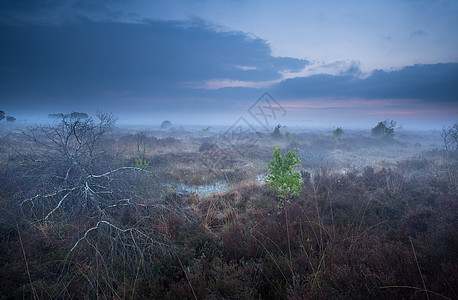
<point>141,163</point>
<point>283,177</point>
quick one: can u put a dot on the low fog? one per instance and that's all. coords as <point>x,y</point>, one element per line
<point>228,149</point>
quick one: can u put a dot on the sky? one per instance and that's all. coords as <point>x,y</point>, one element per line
<point>324,63</point>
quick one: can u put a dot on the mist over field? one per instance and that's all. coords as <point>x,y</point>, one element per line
<point>228,149</point>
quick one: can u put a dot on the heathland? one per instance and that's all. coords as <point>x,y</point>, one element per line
<point>94,211</point>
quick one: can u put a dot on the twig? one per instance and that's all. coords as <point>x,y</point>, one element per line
<point>187,278</point>
<point>58,205</point>
<point>367,229</point>
<point>273,259</point>
<point>35,296</point>
<point>415,288</point>
<point>116,170</point>
<point>419,270</point>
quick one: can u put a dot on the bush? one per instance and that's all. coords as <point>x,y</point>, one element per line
<point>166,124</point>
<point>283,176</point>
<point>276,134</point>
<point>207,146</point>
<point>384,129</point>
<point>337,134</point>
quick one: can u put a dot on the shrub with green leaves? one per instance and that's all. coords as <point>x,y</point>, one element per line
<point>283,177</point>
<point>140,163</point>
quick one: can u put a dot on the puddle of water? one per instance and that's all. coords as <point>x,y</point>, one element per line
<point>202,190</point>
<point>206,190</point>
<point>261,178</point>
<point>222,187</point>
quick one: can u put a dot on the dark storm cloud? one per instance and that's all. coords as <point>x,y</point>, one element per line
<point>163,65</point>
<point>86,59</point>
<point>431,83</point>
<point>58,11</point>
<point>26,6</point>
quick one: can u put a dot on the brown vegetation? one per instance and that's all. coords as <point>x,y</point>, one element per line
<point>386,231</point>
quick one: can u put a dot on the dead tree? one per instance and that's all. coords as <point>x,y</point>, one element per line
<point>449,135</point>
<point>66,173</point>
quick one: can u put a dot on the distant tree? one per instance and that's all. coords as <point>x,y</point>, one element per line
<point>3,116</point>
<point>276,134</point>
<point>384,129</point>
<point>166,124</point>
<point>338,133</point>
<point>74,115</point>
<point>56,116</point>
<point>79,115</point>
<point>450,136</point>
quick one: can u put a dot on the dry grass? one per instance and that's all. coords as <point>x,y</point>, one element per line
<point>384,232</point>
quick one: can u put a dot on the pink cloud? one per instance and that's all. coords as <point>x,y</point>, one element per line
<point>215,84</point>
<point>333,103</point>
